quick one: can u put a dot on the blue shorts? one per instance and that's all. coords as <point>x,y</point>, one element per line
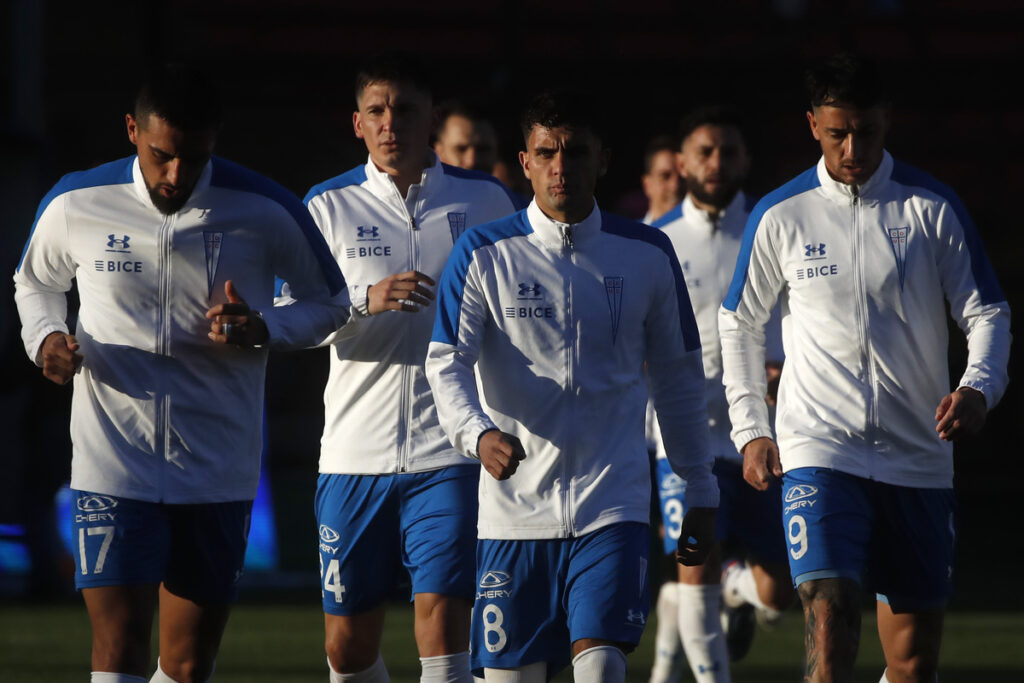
<point>746,516</point>
<point>371,524</point>
<point>896,540</point>
<point>196,550</point>
<point>535,598</point>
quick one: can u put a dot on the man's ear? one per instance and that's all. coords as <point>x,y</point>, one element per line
<point>813,122</point>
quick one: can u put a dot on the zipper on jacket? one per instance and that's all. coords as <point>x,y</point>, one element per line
<point>161,435</point>
<point>861,308</point>
<point>570,381</point>
<point>405,395</point>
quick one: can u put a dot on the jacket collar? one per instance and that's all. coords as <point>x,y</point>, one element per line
<point>142,192</point>
<point>383,187</point>
<point>845,193</point>
<point>556,234</point>
<point>698,216</point>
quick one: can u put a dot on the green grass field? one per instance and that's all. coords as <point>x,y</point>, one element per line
<point>283,643</point>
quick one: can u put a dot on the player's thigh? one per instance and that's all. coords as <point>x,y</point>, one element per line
<point>607,593</point>
<point>438,526</point>
<point>357,518</point>
<point>207,550</point>
<point>828,519</point>
<point>118,541</point>
<point>121,618</point>
<point>911,566</point>
<point>518,618</point>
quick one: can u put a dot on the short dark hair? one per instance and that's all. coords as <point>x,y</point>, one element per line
<point>846,79</point>
<point>181,95</point>
<point>659,143</point>
<point>712,115</point>
<point>393,67</point>
<point>563,107</point>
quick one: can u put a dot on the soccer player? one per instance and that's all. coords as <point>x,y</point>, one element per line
<point>660,179</point>
<point>392,489</point>
<point>465,139</point>
<point>868,252</point>
<point>706,229</point>
<point>163,246</point>
<point>557,308</point>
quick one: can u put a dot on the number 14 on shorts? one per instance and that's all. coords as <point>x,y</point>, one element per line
<point>331,580</point>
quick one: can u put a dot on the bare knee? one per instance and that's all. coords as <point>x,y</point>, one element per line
<point>187,670</point>
<point>352,642</point>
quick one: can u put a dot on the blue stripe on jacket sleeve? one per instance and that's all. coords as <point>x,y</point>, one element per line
<point>614,225</point>
<point>453,278</point>
<point>117,172</point>
<point>981,268</point>
<point>353,176</point>
<point>231,176</point>
<point>806,181</point>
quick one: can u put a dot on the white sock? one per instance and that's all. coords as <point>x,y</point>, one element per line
<point>108,677</point>
<point>601,664</point>
<point>446,669</point>
<point>377,673</point>
<point>700,629</point>
<point>668,648</point>
<point>739,586</point>
<point>531,673</point>
<point>160,676</point>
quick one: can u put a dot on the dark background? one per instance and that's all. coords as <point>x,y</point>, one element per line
<point>70,70</point>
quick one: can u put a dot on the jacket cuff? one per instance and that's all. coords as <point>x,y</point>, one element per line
<point>741,439</point>
<point>360,303</point>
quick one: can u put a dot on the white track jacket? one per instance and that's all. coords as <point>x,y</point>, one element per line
<point>558,321</point>
<point>160,412</point>
<point>379,411</point>
<point>867,272</point>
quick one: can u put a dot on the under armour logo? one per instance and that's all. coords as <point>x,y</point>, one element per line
<point>372,232</point>
<point>811,250</point>
<point>525,288</point>
<point>115,242</point>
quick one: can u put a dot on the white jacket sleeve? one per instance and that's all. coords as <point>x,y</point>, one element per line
<point>676,380</point>
<point>741,323</point>
<point>43,278</point>
<point>976,303</point>
<point>318,298</point>
<point>454,348</point>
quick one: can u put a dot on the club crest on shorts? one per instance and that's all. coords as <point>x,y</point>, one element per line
<point>613,290</point>
<point>457,224</point>
<point>212,241</point>
<point>898,239</point>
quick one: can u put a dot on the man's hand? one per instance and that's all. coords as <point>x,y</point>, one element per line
<point>408,291</point>
<point>761,462</point>
<point>699,523</point>
<point>59,358</point>
<point>960,413</point>
<point>500,453</point>
<point>234,322</point>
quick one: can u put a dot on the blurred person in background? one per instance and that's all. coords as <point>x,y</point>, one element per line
<point>706,230</point>
<point>661,183</point>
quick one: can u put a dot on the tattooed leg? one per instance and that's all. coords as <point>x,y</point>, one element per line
<point>832,636</point>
